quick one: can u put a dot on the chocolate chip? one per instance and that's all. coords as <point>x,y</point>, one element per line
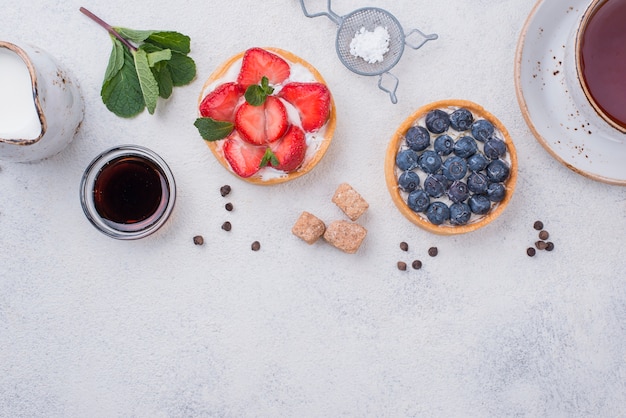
<point>416,264</point>
<point>226,226</point>
<point>538,225</point>
<point>256,246</point>
<point>531,251</point>
<point>401,265</point>
<point>225,190</point>
<point>404,246</point>
<point>549,246</point>
<point>198,240</point>
<point>541,245</point>
<point>544,235</point>
<point>228,206</point>
<point>433,251</point>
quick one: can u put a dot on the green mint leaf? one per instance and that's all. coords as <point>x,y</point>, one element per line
<point>164,79</point>
<point>171,40</point>
<point>150,48</point>
<point>265,85</point>
<point>269,158</point>
<point>158,56</point>
<point>213,130</point>
<point>255,95</point>
<point>122,93</point>
<point>149,86</point>
<point>182,68</point>
<point>136,36</point>
<point>116,60</point>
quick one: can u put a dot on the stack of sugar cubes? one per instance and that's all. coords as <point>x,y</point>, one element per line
<point>345,235</point>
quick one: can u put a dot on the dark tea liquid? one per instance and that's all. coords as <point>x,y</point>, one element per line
<point>603,59</point>
<point>130,192</point>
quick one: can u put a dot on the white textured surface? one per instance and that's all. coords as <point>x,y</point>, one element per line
<point>90,326</point>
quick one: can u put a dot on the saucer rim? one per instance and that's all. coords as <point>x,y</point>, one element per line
<point>523,105</point>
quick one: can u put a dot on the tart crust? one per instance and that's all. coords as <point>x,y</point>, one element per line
<point>323,146</point>
<point>392,181</point>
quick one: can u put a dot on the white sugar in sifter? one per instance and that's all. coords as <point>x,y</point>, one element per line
<point>370,18</point>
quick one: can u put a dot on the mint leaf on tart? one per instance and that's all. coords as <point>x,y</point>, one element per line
<point>257,93</point>
<point>143,66</point>
<point>213,130</point>
<point>269,158</point>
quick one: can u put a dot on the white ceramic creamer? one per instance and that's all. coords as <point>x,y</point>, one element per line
<point>41,107</point>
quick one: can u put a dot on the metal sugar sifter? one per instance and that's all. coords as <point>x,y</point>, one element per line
<point>370,18</point>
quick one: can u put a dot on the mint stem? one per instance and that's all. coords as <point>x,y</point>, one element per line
<point>108,27</point>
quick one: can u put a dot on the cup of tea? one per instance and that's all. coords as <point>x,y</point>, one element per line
<point>41,106</point>
<point>127,192</point>
<point>595,66</point>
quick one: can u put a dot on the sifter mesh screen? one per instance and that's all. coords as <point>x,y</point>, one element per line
<point>369,18</point>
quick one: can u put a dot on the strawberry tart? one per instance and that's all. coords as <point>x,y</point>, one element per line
<point>267,115</point>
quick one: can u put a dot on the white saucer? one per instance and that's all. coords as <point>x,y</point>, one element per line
<point>546,103</point>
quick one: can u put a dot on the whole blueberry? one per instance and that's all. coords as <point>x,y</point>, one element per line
<point>437,121</point>
<point>418,200</point>
<point>444,145</point>
<point>461,119</point>
<point>430,162</point>
<point>477,183</point>
<point>454,168</point>
<point>407,159</point>
<point>498,171</point>
<point>479,204</point>
<point>495,192</point>
<point>417,138</point>
<point>460,213</point>
<point>494,148</point>
<point>409,181</point>
<point>482,130</point>
<point>465,147</point>
<point>437,213</point>
<point>458,192</point>
<point>435,185</point>
<point>477,162</point>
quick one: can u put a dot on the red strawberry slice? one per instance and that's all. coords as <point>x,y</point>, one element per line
<point>244,158</point>
<point>220,103</point>
<point>261,125</point>
<point>312,101</point>
<point>290,150</point>
<point>257,63</point>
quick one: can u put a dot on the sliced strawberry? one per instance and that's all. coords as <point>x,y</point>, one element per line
<point>261,125</point>
<point>312,101</point>
<point>244,158</point>
<point>220,103</point>
<point>257,63</point>
<point>290,150</point>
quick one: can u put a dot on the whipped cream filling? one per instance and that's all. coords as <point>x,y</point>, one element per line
<point>297,73</point>
<point>455,135</point>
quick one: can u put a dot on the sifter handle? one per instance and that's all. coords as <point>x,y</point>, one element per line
<point>425,38</point>
<point>392,92</point>
<point>330,14</point>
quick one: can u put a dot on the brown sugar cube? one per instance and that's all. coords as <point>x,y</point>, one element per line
<point>344,235</point>
<point>350,201</point>
<point>308,227</point>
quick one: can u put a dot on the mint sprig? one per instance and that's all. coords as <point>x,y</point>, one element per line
<point>269,158</point>
<point>257,93</point>
<point>143,66</point>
